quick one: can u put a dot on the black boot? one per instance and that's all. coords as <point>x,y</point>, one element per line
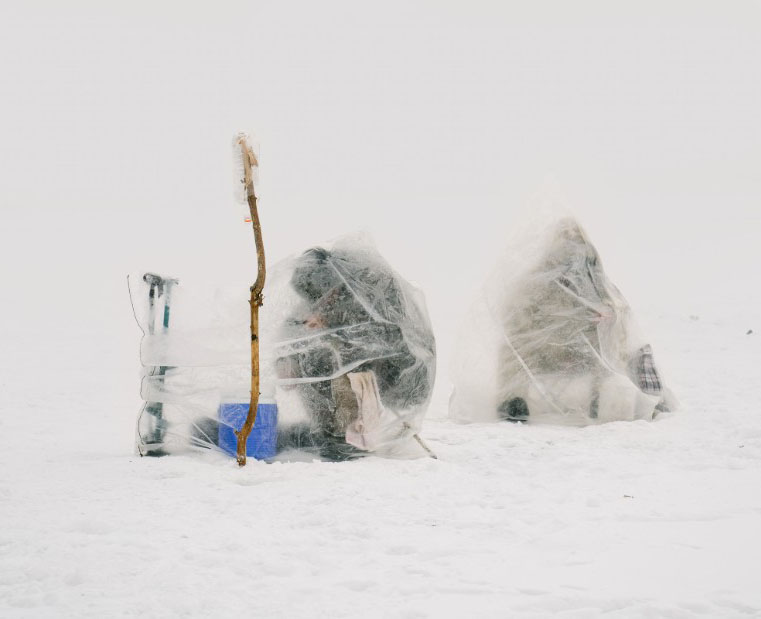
<point>514,409</point>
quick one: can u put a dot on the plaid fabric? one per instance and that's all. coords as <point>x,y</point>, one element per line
<point>644,372</point>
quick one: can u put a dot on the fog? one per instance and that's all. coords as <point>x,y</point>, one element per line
<point>430,125</point>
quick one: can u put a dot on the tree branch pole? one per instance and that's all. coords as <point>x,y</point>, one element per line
<point>256,301</point>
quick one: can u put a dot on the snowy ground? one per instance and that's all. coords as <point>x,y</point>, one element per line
<point>630,520</point>
<point>431,124</point>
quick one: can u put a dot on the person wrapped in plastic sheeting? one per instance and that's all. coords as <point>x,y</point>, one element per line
<point>357,348</point>
<point>556,341</point>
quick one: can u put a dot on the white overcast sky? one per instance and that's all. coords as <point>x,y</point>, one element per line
<point>430,124</point>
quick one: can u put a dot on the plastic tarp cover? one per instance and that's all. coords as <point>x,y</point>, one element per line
<point>346,352</point>
<point>551,339</point>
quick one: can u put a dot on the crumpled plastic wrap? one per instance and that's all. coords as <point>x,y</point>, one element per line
<point>346,352</point>
<point>352,364</point>
<point>195,354</point>
<point>551,339</point>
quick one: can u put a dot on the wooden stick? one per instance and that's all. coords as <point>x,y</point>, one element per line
<point>416,436</point>
<point>256,301</point>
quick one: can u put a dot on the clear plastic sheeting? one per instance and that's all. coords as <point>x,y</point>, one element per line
<point>196,356</point>
<point>352,357</point>
<point>346,348</point>
<point>551,339</point>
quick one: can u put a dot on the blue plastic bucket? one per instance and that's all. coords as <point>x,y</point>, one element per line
<point>262,442</point>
